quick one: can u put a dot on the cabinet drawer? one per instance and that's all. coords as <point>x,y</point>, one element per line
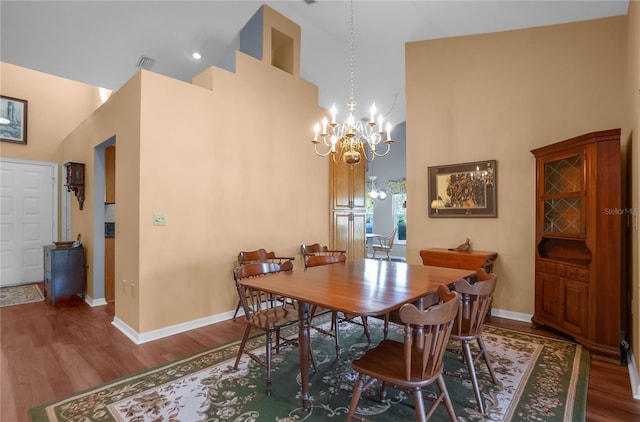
<point>577,274</point>
<point>582,275</point>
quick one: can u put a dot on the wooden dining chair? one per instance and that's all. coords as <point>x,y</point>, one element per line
<point>261,255</point>
<point>314,260</point>
<point>385,244</point>
<point>475,300</point>
<point>407,365</point>
<point>316,249</point>
<point>263,312</point>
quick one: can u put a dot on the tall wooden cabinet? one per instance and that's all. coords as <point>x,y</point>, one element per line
<point>578,285</point>
<point>348,216</point>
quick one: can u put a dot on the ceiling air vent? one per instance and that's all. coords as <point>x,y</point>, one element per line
<point>145,63</point>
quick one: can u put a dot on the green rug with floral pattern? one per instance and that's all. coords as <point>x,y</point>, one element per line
<point>543,379</point>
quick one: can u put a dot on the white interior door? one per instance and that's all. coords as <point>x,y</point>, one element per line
<point>28,214</point>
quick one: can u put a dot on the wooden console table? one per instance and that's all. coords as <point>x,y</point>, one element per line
<point>470,260</point>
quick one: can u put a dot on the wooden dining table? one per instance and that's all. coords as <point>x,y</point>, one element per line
<point>365,287</point>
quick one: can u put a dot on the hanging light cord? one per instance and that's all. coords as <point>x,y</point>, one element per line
<point>351,65</point>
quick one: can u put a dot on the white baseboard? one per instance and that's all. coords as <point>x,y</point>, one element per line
<point>139,338</point>
<point>518,316</point>
<point>94,302</point>
<point>633,375</point>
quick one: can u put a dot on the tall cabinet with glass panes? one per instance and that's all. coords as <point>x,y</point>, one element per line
<point>579,287</point>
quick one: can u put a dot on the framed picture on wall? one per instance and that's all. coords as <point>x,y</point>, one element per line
<point>13,120</point>
<point>463,190</point>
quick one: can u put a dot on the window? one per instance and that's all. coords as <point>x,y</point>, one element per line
<point>400,216</point>
<point>369,213</point>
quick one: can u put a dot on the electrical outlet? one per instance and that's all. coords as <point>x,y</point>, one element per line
<point>159,219</point>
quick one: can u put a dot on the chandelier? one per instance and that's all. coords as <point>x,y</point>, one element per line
<point>374,192</point>
<point>352,139</point>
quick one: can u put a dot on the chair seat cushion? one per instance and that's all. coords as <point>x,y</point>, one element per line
<point>386,363</point>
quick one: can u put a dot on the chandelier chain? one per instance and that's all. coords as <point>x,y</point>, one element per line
<point>351,55</point>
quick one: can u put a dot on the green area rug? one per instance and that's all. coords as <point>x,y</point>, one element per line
<point>543,380</point>
<point>17,295</point>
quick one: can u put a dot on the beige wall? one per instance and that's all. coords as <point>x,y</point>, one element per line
<point>232,168</point>
<point>497,96</point>
<point>632,95</point>
<point>55,107</point>
<point>119,116</point>
<point>228,159</point>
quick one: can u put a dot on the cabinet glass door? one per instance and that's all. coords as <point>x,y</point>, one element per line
<point>562,215</point>
<point>562,196</point>
<point>563,176</point>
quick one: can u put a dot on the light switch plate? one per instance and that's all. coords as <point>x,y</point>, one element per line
<point>159,219</point>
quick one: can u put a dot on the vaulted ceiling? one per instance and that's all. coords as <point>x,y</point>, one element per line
<point>101,42</point>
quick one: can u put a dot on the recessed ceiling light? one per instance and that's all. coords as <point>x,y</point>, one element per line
<point>196,56</point>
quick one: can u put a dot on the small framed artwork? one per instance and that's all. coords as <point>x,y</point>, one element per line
<point>463,190</point>
<point>13,120</point>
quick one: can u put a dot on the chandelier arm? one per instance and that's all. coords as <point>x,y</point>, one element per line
<point>322,154</point>
<point>371,154</point>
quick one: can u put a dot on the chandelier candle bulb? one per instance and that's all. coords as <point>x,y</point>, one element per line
<point>316,128</point>
<point>388,131</point>
<point>373,112</point>
<point>333,113</point>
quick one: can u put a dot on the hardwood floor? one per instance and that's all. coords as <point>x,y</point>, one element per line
<point>51,352</point>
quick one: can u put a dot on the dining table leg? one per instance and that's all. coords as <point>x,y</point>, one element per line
<point>303,348</point>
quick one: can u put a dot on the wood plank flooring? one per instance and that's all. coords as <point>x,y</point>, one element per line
<point>51,352</point>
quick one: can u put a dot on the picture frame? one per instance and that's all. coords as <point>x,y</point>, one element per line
<point>13,120</point>
<point>463,190</point>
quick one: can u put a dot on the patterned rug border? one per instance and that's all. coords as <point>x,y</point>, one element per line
<point>582,361</point>
<point>579,390</point>
<point>28,293</point>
